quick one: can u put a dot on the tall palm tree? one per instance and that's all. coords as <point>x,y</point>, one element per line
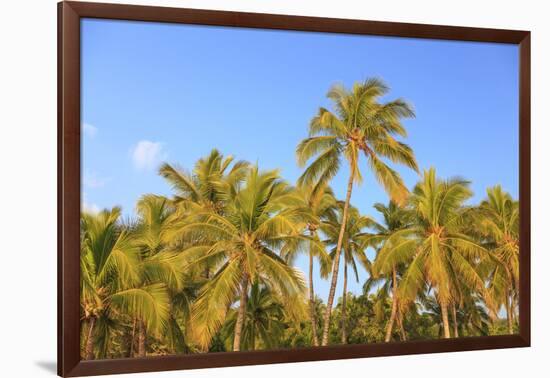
<point>353,248</point>
<point>499,226</point>
<point>395,219</point>
<point>259,217</point>
<point>319,206</point>
<point>110,277</point>
<point>359,123</point>
<point>434,249</point>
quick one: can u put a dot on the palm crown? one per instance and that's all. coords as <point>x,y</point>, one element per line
<point>111,279</point>
<point>435,249</point>
<point>387,275</point>
<point>498,225</point>
<point>258,219</point>
<point>353,249</point>
<point>358,124</point>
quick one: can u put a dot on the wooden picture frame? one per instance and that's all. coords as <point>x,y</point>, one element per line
<point>69,176</point>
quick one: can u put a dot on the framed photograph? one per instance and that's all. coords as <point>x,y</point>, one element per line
<point>241,188</point>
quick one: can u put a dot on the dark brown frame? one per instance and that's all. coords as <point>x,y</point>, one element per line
<point>69,15</point>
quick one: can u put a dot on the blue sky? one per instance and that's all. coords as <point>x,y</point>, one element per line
<point>156,92</point>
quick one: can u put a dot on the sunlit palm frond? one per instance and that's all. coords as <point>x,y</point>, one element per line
<point>209,309</point>
<point>150,303</point>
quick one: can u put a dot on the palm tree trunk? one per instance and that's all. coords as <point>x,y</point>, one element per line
<point>393,314</point>
<point>253,337</point>
<point>509,316</point>
<point>513,310</point>
<point>401,327</point>
<point>141,338</point>
<point>455,323</point>
<point>133,338</point>
<point>344,297</point>
<point>389,326</point>
<point>241,314</point>
<point>493,316</point>
<point>336,265</point>
<point>445,318</point>
<point>89,349</point>
<point>312,316</point>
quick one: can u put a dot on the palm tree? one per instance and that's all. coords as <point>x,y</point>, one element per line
<point>433,310</point>
<point>395,219</point>
<point>353,247</point>
<point>470,320</point>
<point>499,227</point>
<point>473,318</point>
<point>110,278</point>
<point>206,188</point>
<point>264,321</point>
<point>434,249</point>
<point>359,124</point>
<point>159,264</point>
<point>259,217</point>
<point>318,205</point>
<point>470,315</point>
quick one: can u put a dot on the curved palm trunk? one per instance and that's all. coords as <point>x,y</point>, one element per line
<point>344,334</point>
<point>312,316</point>
<point>89,348</point>
<point>455,323</point>
<point>393,314</point>
<point>141,338</point>
<point>445,318</point>
<point>336,264</point>
<point>241,314</point>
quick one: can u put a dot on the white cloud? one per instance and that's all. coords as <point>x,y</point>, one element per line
<point>146,155</point>
<point>88,207</point>
<point>89,130</point>
<point>92,180</point>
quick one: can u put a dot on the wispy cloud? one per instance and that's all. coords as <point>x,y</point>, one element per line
<point>88,207</point>
<point>89,130</point>
<point>146,155</point>
<point>92,180</point>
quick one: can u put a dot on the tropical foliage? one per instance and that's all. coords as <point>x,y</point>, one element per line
<point>213,267</point>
